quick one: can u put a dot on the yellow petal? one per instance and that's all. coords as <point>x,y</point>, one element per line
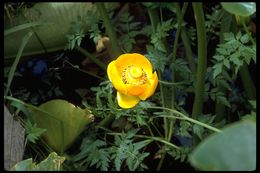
<point>115,77</point>
<point>135,59</point>
<point>126,101</point>
<point>153,84</point>
<point>136,90</point>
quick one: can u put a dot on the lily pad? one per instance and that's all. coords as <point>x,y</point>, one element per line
<point>233,149</point>
<point>240,8</point>
<point>54,21</point>
<point>63,122</point>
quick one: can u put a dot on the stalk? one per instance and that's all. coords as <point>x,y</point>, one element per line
<point>224,27</point>
<point>188,51</point>
<point>244,71</point>
<point>247,82</point>
<point>185,117</point>
<point>202,59</point>
<point>154,22</point>
<point>175,46</point>
<point>26,38</point>
<point>92,58</point>
<point>109,29</point>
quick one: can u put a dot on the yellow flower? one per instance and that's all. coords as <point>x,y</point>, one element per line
<point>133,77</point>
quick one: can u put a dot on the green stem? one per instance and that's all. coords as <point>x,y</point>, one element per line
<point>186,41</point>
<point>175,46</point>
<point>202,59</point>
<point>244,71</point>
<point>40,41</point>
<point>157,130</point>
<point>155,20</point>
<point>109,29</point>
<point>226,22</point>
<point>247,82</point>
<point>16,61</point>
<point>159,139</point>
<point>153,138</point>
<point>158,168</point>
<point>188,118</point>
<point>188,50</point>
<point>91,57</point>
<point>153,15</point>
<point>179,14</point>
<point>172,83</point>
<point>106,121</point>
<point>247,31</point>
<point>165,123</point>
<point>84,71</point>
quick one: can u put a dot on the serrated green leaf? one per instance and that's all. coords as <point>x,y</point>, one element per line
<point>228,36</point>
<point>235,59</point>
<point>33,132</point>
<point>223,100</point>
<point>253,103</point>
<point>233,149</point>
<point>217,70</point>
<point>212,96</point>
<point>224,84</point>
<point>198,130</point>
<point>238,36</point>
<point>140,120</point>
<point>226,63</point>
<point>245,39</point>
<point>223,52</point>
<point>21,107</point>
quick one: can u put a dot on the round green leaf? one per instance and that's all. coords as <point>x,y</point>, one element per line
<point>240,8</point>
<point>63,122</point>
<point>233,149</point>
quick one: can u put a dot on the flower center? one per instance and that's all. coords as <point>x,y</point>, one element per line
<point>135,72</point>
<point>134,75</point>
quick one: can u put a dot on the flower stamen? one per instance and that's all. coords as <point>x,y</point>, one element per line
<point>134,75</point>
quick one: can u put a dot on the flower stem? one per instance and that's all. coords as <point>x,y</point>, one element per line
<point>225,26</point>
<point>244,71</point>
<point>247,82</point>
<point>165,123</point>
<point>172,83</point>
<point>155,20</point>
<point>153,138</point>
<point>187,118</point>
<point>188,50</point>
<point>26,38</point>
<point>202,59</point>
<point>247,31</point>
<point>175,46</point>
<point>91,57</point>
<point>109,29</point>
